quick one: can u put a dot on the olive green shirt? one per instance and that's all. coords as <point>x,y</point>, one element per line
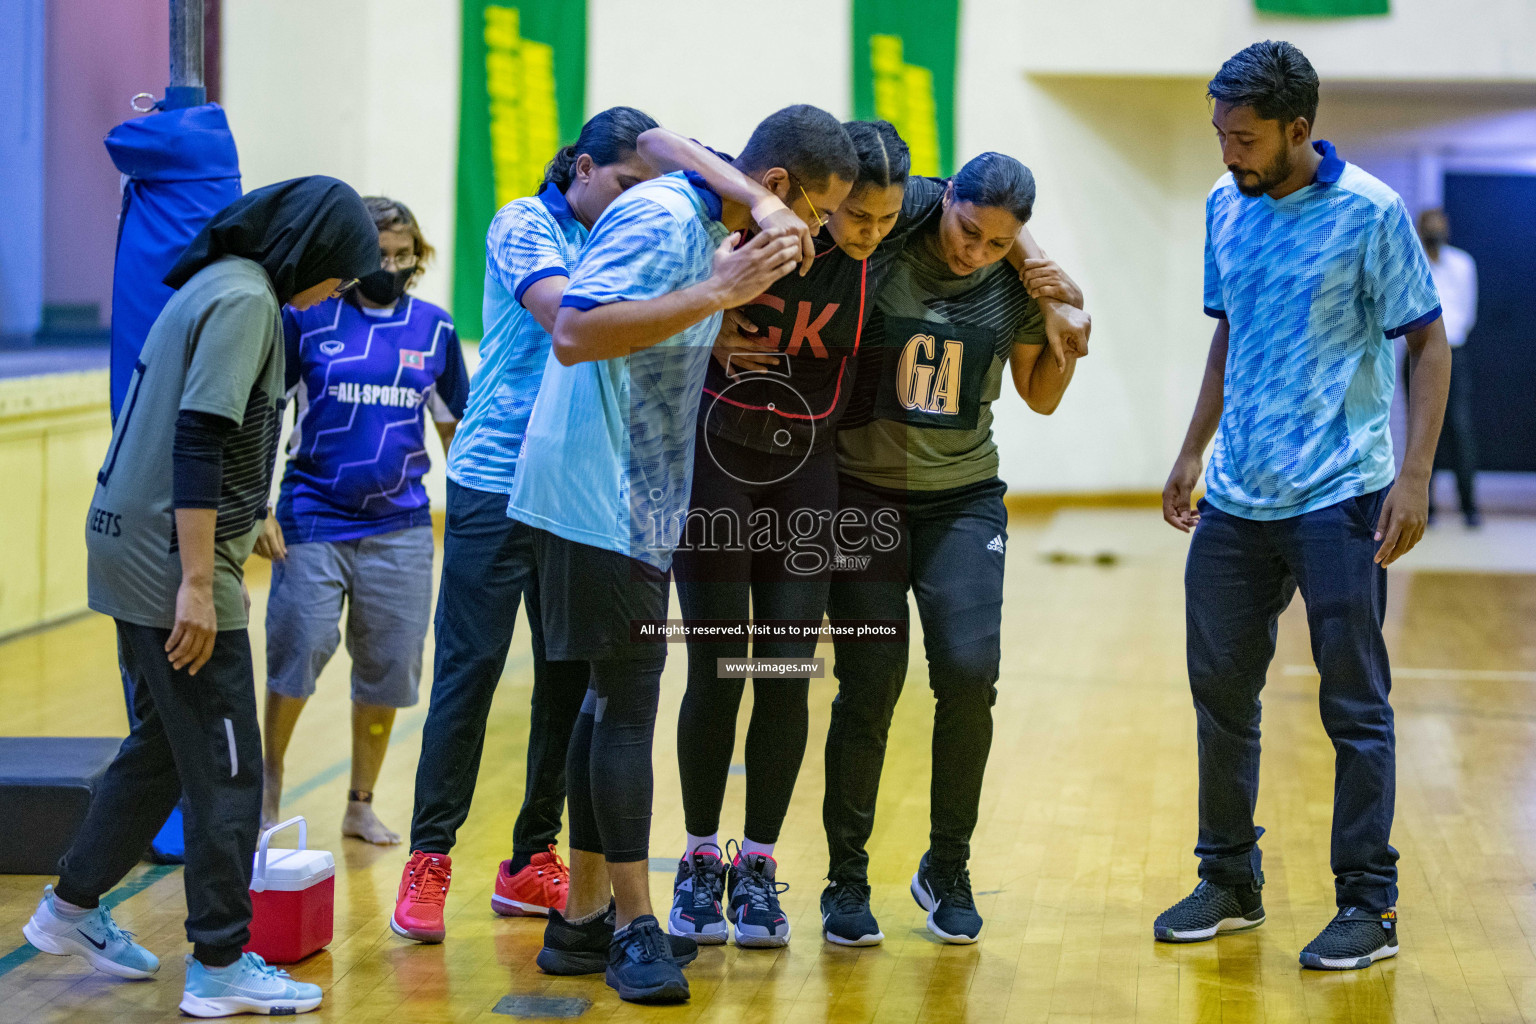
<point>938,346</point>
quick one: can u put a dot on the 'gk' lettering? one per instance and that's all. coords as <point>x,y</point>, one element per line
<point>808,331</point>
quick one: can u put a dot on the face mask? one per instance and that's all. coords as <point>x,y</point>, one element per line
<point>385,286</point>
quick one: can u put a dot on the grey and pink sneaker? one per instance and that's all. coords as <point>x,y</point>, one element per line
<point>755,913</point>
<point>696,896</point>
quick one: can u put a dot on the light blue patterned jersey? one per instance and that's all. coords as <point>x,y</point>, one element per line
<point>608,455</point>
<point>1313,286</point>
<point>530,239</point>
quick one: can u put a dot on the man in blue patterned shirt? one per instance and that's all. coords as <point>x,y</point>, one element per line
<point>1311,269</point>
<point>603,478</point>
<point>487,569</point>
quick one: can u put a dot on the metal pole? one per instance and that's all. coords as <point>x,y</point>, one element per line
<point>186,88</point>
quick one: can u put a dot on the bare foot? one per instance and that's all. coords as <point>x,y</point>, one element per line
<point>271,799</point>
<point>361,823</point>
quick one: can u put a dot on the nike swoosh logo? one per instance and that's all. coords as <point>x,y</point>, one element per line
<point>98,945</point>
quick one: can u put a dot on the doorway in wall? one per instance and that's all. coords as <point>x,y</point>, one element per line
<point>1493,217</point>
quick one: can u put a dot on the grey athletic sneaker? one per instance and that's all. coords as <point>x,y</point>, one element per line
<point>696,896</point>
<point>755,912</point>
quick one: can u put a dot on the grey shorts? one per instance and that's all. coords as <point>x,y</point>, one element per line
<point>385,581</point>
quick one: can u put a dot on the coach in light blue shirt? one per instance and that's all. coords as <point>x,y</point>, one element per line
<point>1312,267</point>
<point>603,478</point>
<point>622,430</point>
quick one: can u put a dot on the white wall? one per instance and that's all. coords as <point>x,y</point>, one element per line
<point>1421,39</point>
<point>1124,165</point>
<point>1122,168</point>
<point>1410,138</point>
<point>1104,99</point>
<point>363,90</point>
<point>372,94</point>
<point>713,68</point>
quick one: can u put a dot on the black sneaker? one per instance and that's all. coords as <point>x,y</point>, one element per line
<point>944,890</point>
<point>1354,939</point>
<point>845,915</point>
<point>1210,909</point>
<point>696,896</point>
<point>755,912</point>
<point>583,948</point>
<point>640,965</point>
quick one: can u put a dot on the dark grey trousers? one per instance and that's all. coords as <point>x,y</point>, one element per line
<point>194,734</point>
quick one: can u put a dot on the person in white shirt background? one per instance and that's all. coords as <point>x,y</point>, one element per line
<point>1455,274</point>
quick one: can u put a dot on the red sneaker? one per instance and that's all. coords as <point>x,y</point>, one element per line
<point>533,891</point>
<point>419,903</point>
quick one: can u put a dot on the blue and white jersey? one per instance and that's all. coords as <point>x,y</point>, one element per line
<point>1313,287</point>
<point>530,239</point>
<point>608,456</point>
<point>361,381</point>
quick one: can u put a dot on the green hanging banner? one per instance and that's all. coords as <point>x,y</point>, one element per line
<point>522,96</point>
<point>904,56</point>
<point>1323,8</point>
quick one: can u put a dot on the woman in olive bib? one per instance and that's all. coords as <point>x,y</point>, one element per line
<point>921,509</point>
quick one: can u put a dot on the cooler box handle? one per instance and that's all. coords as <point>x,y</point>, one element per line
<point>259,877</point>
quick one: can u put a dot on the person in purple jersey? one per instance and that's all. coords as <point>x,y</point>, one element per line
<point>353,524</point>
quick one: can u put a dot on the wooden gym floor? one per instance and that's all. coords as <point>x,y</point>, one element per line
<point>1087,823</point>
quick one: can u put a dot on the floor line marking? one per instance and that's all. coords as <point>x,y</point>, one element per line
<point>1485,675</point>
<point>26,951</point>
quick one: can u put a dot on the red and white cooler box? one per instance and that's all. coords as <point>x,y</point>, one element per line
<point>293,898</point>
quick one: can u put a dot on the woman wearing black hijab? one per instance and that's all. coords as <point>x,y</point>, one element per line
<point>176,512</point>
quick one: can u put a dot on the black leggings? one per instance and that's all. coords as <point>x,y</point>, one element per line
<point>757,547</point>
<point>608,764</point>
<point>950,557</point>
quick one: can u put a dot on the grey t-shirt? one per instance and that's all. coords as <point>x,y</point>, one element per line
<point>937,345</point>
<point>217,347</point>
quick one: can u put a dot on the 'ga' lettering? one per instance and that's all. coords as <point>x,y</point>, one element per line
<point>919,387</point>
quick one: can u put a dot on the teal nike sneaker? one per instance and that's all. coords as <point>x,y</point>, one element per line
<point>248,985</point>
<point>92,935</point>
